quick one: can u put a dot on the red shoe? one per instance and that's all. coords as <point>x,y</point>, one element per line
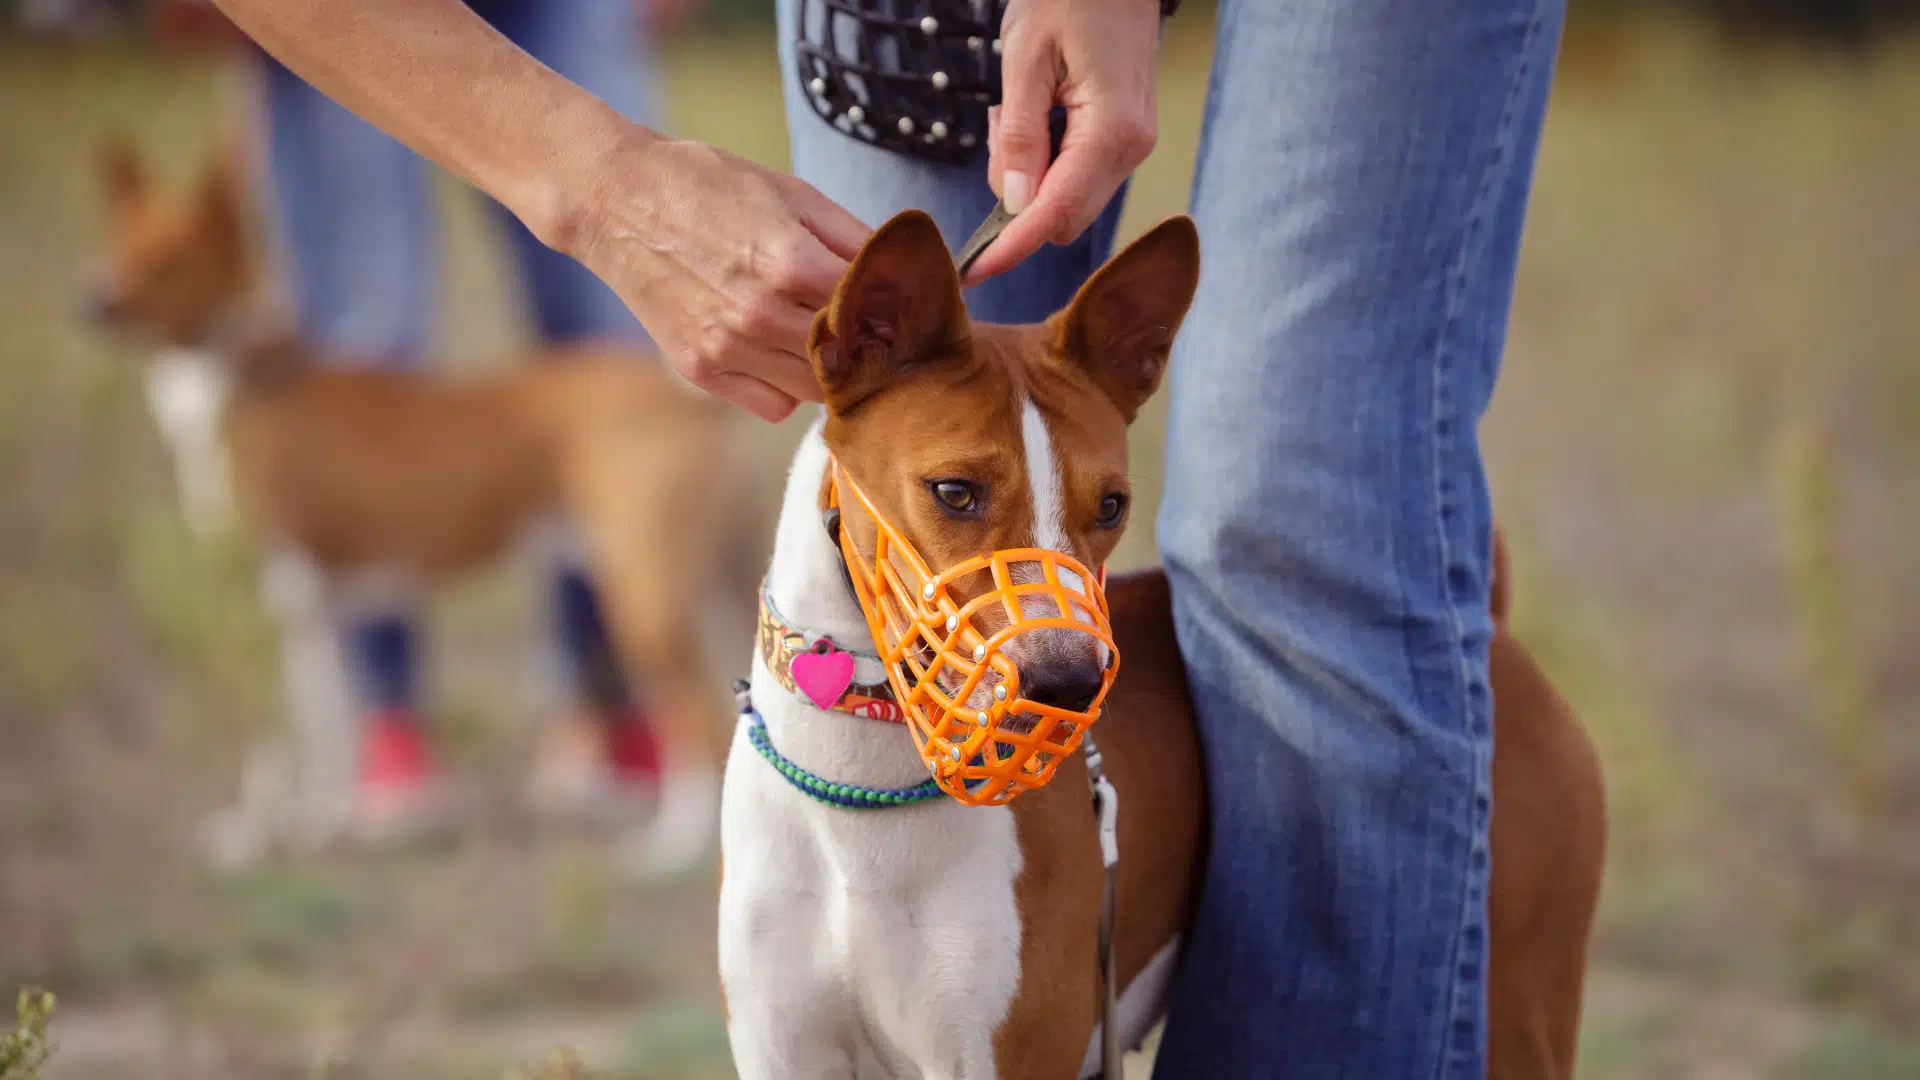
<point>399,797</point>
<point>596,770</point>
<point>633,749</point>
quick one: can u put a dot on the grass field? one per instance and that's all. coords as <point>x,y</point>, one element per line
<point>1706,446</point>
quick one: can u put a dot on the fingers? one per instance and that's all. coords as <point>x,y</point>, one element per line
<point>752,395</point>
<point>1018,143</point>
<point>1101,149</point>
<point>837,230</point>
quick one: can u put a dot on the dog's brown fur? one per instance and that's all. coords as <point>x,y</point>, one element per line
<point>915,391</point>
<point>367,469</point>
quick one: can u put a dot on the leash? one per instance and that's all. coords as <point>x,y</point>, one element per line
<point>1106,810</point>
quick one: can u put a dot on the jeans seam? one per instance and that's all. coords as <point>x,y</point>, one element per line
<point>1461,983</point>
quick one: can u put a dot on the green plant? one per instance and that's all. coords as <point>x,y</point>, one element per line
<point>1806,494</point>
<point>27,1047</point>
<point>563,1064</point>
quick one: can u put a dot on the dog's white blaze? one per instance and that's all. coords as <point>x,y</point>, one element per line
<point>187,393</point>
<point>1049,508</point>
<point>855,943</point>
<point>1043,478</point>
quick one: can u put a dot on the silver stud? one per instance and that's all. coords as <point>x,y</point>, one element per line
<point>967,140</point>
<point>953,623</point>
<point>929,25</point>
<point>983,718</point>
<point>940,80</point>
<point>939,129</point>
<point>926,592</point>
<point>979,653</point>
<point>954,753</point>
<point>906,125</point>
<point>856,114</point>
<point>1000,692</point>
<point>976,44</point>
<point>818,86</point>
<point>996,46</point>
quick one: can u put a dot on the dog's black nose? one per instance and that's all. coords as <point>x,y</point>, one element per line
<point>1071,686</point>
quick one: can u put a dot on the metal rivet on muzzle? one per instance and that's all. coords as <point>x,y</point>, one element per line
<point>953,623</point>
<point>906,125</point>
<point>856,114</point>
<point>927,592</point>
<point>929,25</point>
<point>979,653</point>
<point>982,718</point>
<point>954,753</point>
<point>1000,692</point>
<point>976,44</point>
<point>819,87</point>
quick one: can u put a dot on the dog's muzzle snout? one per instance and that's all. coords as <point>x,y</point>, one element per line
<point>999,662</point>
<point>1072,685</point>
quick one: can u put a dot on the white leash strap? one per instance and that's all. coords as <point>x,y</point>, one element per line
<point>1106,809</point>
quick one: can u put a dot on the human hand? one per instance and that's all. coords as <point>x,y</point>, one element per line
<point>1097,59</point>
<point>723,261</point>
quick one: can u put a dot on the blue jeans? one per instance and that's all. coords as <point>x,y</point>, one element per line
<point>1360,190</point>
<point>352,216</point>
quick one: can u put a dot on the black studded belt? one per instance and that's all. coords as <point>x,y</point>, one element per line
<point>912,76</point>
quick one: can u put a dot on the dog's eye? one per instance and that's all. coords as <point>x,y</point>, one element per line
<point>956,495</point>
<point>1112,509</point>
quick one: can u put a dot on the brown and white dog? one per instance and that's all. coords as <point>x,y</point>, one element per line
<point>361,482</point>
<point>955,942</point>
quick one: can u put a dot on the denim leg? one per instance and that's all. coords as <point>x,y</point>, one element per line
<point>352,220</point>
<point>874,184</point>
<point>1360,191</point>
<point>600,45</point>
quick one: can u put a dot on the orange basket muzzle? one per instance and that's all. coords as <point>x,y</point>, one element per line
<point>959,690</point>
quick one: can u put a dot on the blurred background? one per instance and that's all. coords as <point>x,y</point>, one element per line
<point>1705,449</point>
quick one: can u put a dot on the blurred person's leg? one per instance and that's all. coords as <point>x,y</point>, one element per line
<point>875,184</point>
<point>600,45</point>
<point>353,226</point>
<point>1360,191</point>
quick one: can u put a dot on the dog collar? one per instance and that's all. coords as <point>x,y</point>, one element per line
<point>820,672</point>
<point>845,796</point>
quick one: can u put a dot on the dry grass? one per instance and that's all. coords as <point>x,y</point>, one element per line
<point>1722,254</point>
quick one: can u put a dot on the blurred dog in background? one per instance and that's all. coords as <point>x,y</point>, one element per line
<point>361,482</point>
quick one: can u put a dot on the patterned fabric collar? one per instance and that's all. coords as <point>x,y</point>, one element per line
<point>819,671</point>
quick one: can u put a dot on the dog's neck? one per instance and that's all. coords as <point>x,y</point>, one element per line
<point>808,586</point>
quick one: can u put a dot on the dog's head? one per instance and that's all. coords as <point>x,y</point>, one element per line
<point>971,439</point>
<point>175,266</point>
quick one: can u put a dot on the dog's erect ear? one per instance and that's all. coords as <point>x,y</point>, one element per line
<point>898,307</point>
<point>1121,324</point>
<point>122,173</point>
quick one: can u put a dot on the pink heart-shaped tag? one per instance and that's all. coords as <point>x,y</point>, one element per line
<point>823,676</point>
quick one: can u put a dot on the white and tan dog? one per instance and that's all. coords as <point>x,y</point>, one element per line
<point>926,938</point>
<point>363,482</point>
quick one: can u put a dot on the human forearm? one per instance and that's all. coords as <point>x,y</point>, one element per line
<point>438,78</point>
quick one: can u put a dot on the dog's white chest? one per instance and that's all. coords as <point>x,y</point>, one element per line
<point>187,393</point>
<point>867,943</point>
